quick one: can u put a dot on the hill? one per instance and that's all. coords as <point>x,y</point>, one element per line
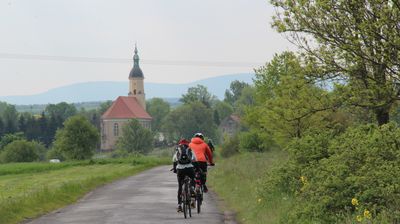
<point>95,91</point>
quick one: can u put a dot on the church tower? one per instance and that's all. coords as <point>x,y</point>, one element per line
<point>136,78</point>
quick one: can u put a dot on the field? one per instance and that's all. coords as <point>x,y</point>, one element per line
<point>235,180</point>
<point>28,190</point>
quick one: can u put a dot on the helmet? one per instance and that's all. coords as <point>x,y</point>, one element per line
<point>183,142</point>
<point>199,135</point>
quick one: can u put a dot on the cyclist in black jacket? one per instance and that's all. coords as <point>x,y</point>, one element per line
<point>183,166</point>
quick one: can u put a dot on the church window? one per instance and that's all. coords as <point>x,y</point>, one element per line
<point>134,92</point>
<point>116,129</point>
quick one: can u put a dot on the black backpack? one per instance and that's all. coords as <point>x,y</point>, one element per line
<point>184,154</point>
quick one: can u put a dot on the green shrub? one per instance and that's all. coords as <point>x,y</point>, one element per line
<point>325,172</point>
<point>8,138</point>
<point>78,139</point>
<point>22,151</point>
<point>230,146</point>
<point>251,141</point>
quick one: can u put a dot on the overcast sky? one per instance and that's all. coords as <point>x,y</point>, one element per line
<point>178,40</point>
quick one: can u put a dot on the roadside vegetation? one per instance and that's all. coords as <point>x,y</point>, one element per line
<point>332,109</point>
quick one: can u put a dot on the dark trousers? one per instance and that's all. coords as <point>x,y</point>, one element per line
<point>181,173</point>
<point>202,166</point>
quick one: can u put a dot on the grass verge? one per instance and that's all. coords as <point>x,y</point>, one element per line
<point>236,180</point>
<point>24,196</point>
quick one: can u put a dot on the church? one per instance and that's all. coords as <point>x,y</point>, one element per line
<point>125,108</point>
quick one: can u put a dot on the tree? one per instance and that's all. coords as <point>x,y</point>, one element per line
<point>135,138</point>
<point>158,109</point>
<point>10,117</point>
<point>234,92</point>
<point>62,110</point>
<point>104,107</point>
<point>198,93</point>
<point>78,139</point>
<point>22,151</point>
<point>224,109</point>
<point>288,102</point>
<point>189,119</point>
<point>9,138</point>
<point>357,41</point>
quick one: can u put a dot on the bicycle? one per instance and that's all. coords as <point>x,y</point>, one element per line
<point>198,190</point>
<point>186,197</point>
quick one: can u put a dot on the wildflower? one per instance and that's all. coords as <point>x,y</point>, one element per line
<point>359,218</point>
<point>367,214</point>
<point>303,179</point>
<point>354,201</point>
<point>259,200</point>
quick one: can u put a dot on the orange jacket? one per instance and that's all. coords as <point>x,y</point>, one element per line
<point>201,150</point>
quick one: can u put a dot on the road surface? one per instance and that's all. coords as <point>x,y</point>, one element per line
<point>147,198</point>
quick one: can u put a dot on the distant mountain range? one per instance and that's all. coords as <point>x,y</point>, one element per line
<point>102,91</point>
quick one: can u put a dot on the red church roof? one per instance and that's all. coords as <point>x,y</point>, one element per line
<point>126,107</point>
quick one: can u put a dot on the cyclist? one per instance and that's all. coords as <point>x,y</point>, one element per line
<point>203,155</point>
<point>183,166</point>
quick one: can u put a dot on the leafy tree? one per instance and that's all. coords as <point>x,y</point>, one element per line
<point>22,151</point>
<point>8,138</point>
<point>357,41</point>
<point>104,107</point>
<point>216,118</point>
<point>188,119</point>
<point>158,109</point>
<point>62,110</point>
<point>135,138</point>
<point>78,139</point>
<point>10,118</point>
<point>199,93</point>
<point>234,92</point>
<point>288,103</point>
<point>246,100</point>
<point>224,109</point>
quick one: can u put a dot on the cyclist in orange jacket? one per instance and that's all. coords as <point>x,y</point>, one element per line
<point>203,155</point>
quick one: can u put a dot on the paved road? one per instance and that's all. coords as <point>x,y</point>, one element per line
<point>147,198</point>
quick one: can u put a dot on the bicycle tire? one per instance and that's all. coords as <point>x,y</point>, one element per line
<point>198,200</point>
<point>184,199</point>
<point>189,203</point>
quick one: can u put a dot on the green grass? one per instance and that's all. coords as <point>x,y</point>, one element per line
<point>26,194</point>
<point>235,180</point>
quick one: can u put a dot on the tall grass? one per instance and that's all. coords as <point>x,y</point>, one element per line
<point>236,181</point>
<point>26,194</point>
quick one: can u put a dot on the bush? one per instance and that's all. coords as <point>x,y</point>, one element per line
<point>77,140</point>
<point>251,141</point>
<point>8,138</point>
<point>326,172</point>
<point>22,151</point>
<point>230,146</point>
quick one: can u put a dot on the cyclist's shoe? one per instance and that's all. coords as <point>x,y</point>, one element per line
<point>179,208</point>
<point>205,188</point>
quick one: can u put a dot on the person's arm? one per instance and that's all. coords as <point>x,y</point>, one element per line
<point>209,155</point>
<point>194,158</point>
<point>175,162</point>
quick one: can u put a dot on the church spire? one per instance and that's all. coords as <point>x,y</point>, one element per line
<point>136,72</point>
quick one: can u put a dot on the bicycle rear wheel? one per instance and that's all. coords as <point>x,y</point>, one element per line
<point>198,200</point>
<point>189,203</point>
<point>184,200</point>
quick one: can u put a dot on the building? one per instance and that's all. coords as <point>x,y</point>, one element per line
<point>125,108</point>
<point>230,125</point>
